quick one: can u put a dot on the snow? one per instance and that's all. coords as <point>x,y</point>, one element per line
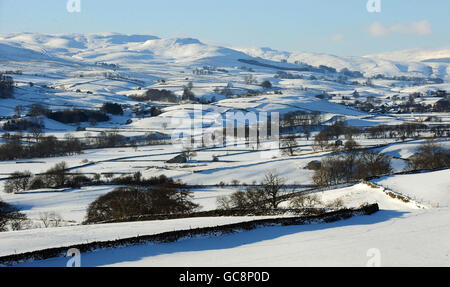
<point>397,63</point>
<point>38,239</point>
<point>430,188</point>
<point>70,204</point>
<point>66,74</point>
<point>395,235</point>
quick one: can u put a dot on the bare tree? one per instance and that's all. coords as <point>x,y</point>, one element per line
<point>305,201</point>
<point>289,145</point>
<point>189,153</point>
<point>19,110</point>
<point>265,195</point>
<point>56,176</point>
<point>18,181</point>
<point>272,185</point>
<point>37,132</point>
<point>50,219</point>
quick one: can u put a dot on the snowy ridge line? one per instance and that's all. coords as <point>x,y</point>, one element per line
<point>173,236</point>
<point>392,194</point>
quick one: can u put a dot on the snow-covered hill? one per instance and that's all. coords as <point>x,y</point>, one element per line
<point>127,49</point>
<point>418,63</point>
<point>73,71</point>
<point>392,233</point>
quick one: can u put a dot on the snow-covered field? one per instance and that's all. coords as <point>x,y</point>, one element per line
<point>85,71</point>
<point>402,234</point>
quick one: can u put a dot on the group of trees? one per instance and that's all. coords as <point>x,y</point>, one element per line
<point>10,217</point>
<point>157,96</point>
<point>6,87</point>
<point>20,146</point>
<point>334,132</point>
<point>132,203</point>
<point>136,179</point>
<point>351,166</point>
<point>112,108</point>
<point>22,125</point>
<point>265,195</point>
<point>59,177</point>
<point>45,146</point>
<point>67,116</point>
<point>430,155</point>
<point>406,130</point>
<point>305,120</point>
<point>268,195</point>
<point>188,95</point>
<point>266,84</point>
<point>55,177</point>
<point>442,106</point>
<point>78,116</point>
<point>108,139</point>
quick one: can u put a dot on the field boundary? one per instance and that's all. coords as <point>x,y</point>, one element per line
<point>173,236</point>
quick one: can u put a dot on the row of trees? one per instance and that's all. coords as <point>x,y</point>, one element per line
<point>265,195</point>
<point>19,146</point>
<point>55,177</point>
<point>22,125</point>
<point>406,130</point>
<point>351,166</point>
<point>268,195</point>
<point>157,96</point>
<point>65,116</point>
<point>45,146</point>
<point>78,116</point>
<point>301,119</point>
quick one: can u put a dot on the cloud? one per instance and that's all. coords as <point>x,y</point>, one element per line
<point>416,28</point>
<point>337,38</point>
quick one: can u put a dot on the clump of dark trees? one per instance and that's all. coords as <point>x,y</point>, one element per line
<point>430,156</point>
<point>22,125</point>
<point>354,164</point>
<point>55,177</point>
<point>78,116</point>
<point>19,146</point>
<point>157,96</point>
<point>266,84</point>
<point>350,167</point>
<point>45,146</point>
<point>112,108</point>
<point>10,217</point>
<point>68,116</point>
<point>131,203</point>
<point>6,87</point>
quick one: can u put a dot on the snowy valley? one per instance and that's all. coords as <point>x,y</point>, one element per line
<point>84,117</point>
